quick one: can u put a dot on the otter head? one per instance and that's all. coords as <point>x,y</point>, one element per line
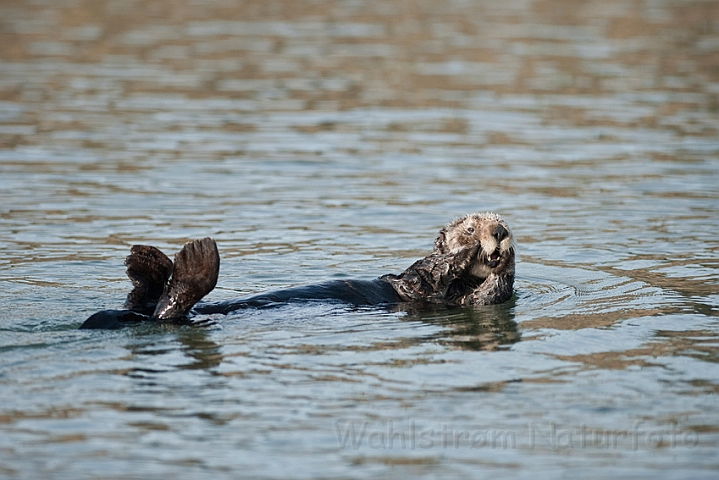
<point>486,237</point>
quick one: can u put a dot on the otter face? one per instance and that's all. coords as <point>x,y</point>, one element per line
<point>485,232</point>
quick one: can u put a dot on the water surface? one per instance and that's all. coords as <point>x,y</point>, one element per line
<point>332,139</point>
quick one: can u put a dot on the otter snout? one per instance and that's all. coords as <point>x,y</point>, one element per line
<point>500,233</point>
<point>494,245</point>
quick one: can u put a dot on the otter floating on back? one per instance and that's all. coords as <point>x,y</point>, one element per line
<point>472,264</point>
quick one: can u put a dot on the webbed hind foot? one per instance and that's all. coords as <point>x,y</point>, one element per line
<point>149,270</point>
<point>194,275</point>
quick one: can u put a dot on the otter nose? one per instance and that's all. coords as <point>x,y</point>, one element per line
<point>500,233</point>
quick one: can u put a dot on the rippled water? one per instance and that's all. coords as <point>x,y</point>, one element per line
<point>331,139</point>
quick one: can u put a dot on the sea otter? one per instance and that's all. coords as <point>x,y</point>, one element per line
<point>472,263</point>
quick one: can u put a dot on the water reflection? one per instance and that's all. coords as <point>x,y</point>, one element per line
<point>171,347</point>
<point>197,346</point>
<point>489,327</point>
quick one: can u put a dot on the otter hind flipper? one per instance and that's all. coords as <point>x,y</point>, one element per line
<point>149,270</point>
<point>194,275</point>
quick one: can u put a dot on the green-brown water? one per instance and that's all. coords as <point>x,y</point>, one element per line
<point>329,139</point>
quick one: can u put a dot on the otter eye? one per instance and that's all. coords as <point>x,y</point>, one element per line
<point>470,230</point>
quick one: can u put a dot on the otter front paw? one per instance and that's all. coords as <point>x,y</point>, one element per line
<point>459,262</point>
<point>494,290</point>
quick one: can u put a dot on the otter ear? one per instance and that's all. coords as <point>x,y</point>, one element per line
<point>440,245</point>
